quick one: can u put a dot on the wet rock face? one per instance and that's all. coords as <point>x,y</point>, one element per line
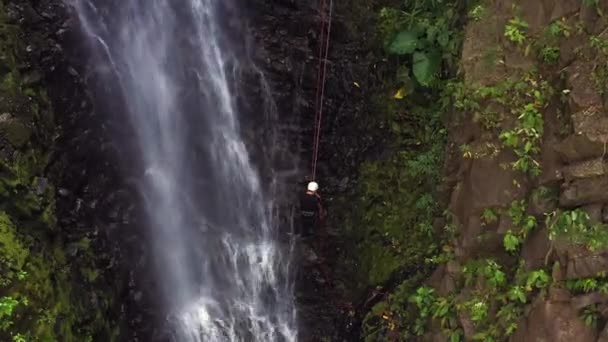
<point>286,47</point>
<point>92,200</point>
<point>285,37</point>
<point>573,160</point>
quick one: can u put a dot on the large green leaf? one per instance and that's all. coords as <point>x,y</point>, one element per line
<point>426,65</point>
<point>404,43</point>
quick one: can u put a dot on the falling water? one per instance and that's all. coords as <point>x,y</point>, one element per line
<point>222,273</point>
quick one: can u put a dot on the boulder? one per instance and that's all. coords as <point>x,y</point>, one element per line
<point>535,249</point>
<point>584,266</point>
<point>554,322</point>
<point>582,92</point>
<point>594,211</point>
<point>585,169</point>
<point>577,147</point>
<point>583,301</point>
<point>584,191</point>
<point>559,295</point>
<point>492,185</point>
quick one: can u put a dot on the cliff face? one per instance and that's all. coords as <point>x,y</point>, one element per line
<point>540,217</point>
<point>525,230</point>
<point>58,269</point>
<point>527,203</point>
<point>520,253</point>
<point>74,267</point>
<point>286,36</point>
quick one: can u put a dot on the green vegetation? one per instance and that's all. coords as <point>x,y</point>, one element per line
<point>477,13</point>
<point>591,2</point>
<point>525,98</point>
<point>399,240</point>
<point>600,70</point>
<point>423,33</point>
<point>515,30</point>
<point>509,293</point>
<point>394,230</point>
<point>522,226</point>
<point>45,295</point>
<point>396,240</point>
<point>577,227</point>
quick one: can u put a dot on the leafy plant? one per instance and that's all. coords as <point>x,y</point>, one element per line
<point>550,54</point>
<point>576,226</point>
<point>423,33</point>
<point>587,285</point>
<point>599,44</point>
<point>478,309</point>
<point>590,315</point>
<point>7,306</point>
<point>423,299</point>
<point>538,279</point>
<point>509,314</point>
<point>466,151</point>
<point>515,30</point>
<point>494,274</point>
<point>559,29</point>
<point>477,13</point>
<point>531,96</point>
<point>511,241</point>
<point>489,216</point>
<point>426,61</point>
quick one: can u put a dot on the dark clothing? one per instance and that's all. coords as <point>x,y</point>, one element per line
<point>309,212</point>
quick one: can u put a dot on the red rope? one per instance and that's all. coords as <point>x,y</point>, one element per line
<point>321,77</point>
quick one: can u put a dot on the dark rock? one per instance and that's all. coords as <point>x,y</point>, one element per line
<point>557,273</point>
<point>559,295</point>
<point>32,78</point>
<point>594,211</point>
<point>42,185</point>
<point>586,169</point>
<point>579,147</point>
<point>583,301</point>
<point>603,335</point>
<point>556,322</point>
<point>584,266</point>
<point>584,191</point>
<point>535,248</point>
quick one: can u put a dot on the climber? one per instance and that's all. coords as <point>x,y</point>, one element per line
<point>311,210</point>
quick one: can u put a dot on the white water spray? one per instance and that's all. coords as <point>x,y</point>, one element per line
<point>213,232</point>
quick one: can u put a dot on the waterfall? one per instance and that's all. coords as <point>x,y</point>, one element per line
<point>210,216</point>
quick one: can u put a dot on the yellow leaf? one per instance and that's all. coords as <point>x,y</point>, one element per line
<point>356,84</point>
<point>400,94</point>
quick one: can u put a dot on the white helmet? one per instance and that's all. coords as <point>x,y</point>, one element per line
<point>313,186</point>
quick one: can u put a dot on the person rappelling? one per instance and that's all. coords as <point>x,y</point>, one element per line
<point>311,210</point>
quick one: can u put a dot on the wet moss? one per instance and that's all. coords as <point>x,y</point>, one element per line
<point>15,132</point>
<point>50,290</point>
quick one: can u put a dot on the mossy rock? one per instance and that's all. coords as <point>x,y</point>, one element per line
<point>14,131</point>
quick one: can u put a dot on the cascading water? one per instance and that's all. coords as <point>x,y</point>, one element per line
<point>222,274</point>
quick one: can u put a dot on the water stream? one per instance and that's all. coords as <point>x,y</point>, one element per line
<point>212,219</point>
